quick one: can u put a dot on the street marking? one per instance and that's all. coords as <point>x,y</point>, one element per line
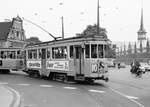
<point>24,84</point>
<point>98,91</point>
<point>46,85</point>
<point>72,88</point>
<point>132,97</point>
<point>128,97</point>
<point>3,83</point>
<point>16,102</point>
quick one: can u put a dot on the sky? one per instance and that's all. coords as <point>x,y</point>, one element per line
<point>121,18</point>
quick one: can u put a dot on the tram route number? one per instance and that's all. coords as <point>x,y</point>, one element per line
<point>94,68</point>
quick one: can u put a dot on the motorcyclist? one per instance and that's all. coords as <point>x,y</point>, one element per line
<point>135,65</point>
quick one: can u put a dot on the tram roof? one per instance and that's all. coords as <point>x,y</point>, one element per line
<point>10,48</point>
<point>75,39</point>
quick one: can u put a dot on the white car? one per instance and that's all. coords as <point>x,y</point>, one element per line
<point>144,66</point>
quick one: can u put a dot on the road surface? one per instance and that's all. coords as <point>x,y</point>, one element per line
<point>123,90</point>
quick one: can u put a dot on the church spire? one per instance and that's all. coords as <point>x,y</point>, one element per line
<point>142,24</point>
<point>141,32</point>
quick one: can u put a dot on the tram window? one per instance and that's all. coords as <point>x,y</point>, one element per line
<point>48,53</point>
<point>59,52</point>
<point>32,54</point>
<point>18,54</point>
<point>100,51</point>
<point>87,51</point>
<point>78,51</point>
<point>94,51</point>
<point>11,54</point>
<point>39,53</point>
<point>3,54</point>
<point>71,52</point>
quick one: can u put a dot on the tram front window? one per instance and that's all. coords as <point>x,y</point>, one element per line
<point>100,51</point>
<point>87,51</point>
<point>94,51</point>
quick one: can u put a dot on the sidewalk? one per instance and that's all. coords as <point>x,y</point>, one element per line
<point>9,97</point>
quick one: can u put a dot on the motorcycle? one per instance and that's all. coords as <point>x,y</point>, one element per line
<point>137,71</point>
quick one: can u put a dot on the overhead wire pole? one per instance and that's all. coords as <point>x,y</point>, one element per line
<point>98,18</point>
<point>55,38</point>
<point>62,27</point>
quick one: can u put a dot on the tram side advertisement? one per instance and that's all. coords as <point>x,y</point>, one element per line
<point>57,65</point>
<point>34,64</point>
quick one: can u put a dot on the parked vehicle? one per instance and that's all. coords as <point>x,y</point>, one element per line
<point>121,65</point>
<point>145,66</point>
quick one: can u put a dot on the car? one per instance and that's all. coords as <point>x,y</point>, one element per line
<point>145,66</point>
<point>111,64</point>
<point>122,65</point>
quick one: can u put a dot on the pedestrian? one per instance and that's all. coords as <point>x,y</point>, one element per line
<point>119,65</point>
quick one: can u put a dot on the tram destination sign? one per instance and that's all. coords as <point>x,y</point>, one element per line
<point>57,65</point>
<point>34,64</point>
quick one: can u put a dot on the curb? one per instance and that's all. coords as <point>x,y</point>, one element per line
<point>16,102</point>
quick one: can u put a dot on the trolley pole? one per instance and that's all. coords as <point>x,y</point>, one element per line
<point>55,38</point>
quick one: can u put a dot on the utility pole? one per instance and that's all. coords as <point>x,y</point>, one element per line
<point>98,18</point>
<point>62,21</point>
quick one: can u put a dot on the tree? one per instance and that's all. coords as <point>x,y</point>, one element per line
<point>147,46</point>
<point>135,48</point>
<point>33,40</point>
<point>141,47</point>
<point>91,30</point>
<point>129,48</point>
<point>124,49</point>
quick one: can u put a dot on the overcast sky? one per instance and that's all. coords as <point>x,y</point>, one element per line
<point>121,18</point>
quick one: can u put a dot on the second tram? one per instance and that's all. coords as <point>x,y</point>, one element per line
<point>76,58</point>
<point>11,59</point>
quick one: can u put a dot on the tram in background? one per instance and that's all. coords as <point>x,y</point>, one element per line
<point>76,58</point>
<point>11,59</point>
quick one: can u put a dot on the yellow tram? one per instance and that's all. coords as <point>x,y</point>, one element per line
<point>76,58</point>
<point>11,59</point>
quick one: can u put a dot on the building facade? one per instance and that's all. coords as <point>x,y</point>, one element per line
<point>12,33</point>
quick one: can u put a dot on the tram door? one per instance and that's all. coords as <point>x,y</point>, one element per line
<point>43,61</point>
<point>79,61</point>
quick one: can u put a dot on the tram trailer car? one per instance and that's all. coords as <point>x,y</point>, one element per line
<point>11,59</point>
<point>76,58</point>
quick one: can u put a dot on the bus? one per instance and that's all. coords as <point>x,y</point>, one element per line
<point>75,58</point>
<point>11,59</point>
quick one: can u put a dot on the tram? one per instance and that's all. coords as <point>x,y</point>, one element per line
<point>11,59</point>
<point>75,58</point>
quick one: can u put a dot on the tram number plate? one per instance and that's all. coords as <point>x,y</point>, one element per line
<point>94,68</point>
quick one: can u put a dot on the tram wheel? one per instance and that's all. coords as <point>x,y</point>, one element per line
<point>5,71</point>
<point>65,79</point>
